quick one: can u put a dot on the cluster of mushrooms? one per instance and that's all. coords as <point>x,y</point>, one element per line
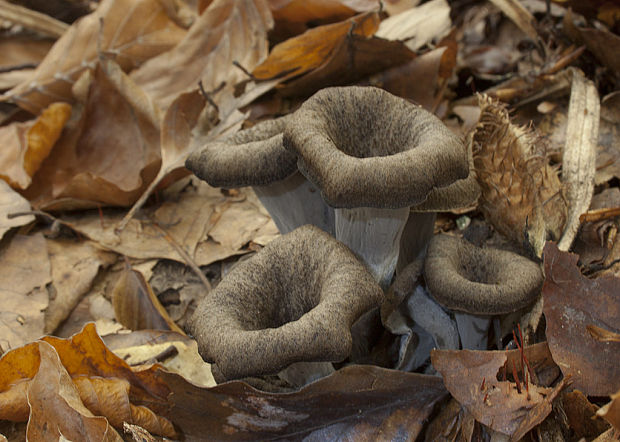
<point>352,180</point>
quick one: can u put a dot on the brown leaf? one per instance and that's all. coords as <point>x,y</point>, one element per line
<point>108,154</point>
<point>354,403</point>
<point>26,145</point>
<point>572,303</point>
<point>581,415</point>
<point>12,202</point>
<point>55,406</point>
<point>136,306</point>
<point>74,268</point>
<point>227,31</point>
<point>308,51</point>
<point>132,31</point>
<point>303,11</point>
<point>611,411</point>
<point>472,377</point>
<point>179,120</point>
<point>189,221</point>
<point>110,398</point>
<point>24,273</point>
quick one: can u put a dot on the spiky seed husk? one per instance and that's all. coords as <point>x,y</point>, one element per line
<point>521,192</point>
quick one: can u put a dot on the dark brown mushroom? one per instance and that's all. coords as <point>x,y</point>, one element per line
<point>373,155</point>
<point>469,279</point>
<point>295,300</point>
<point>256,157</point>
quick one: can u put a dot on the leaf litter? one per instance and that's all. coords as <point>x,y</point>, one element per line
<point>106,119</point>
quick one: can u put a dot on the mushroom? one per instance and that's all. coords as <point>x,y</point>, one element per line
<point>479,282</point>
<point>256,157</point>
<point>373,155</point>
<point>294,301</point>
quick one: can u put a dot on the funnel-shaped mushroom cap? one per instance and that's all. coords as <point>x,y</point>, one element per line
<point>479,281</point>
<point>364,147</point>
<point>294,301</point>
<point>251,157</point>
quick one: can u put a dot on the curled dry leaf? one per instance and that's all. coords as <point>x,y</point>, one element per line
<point>94,165</point>
<point>509,407</point>
<point>12,202</point>
<point>33,20</point>
<point>26,145</point>
<point>309,50</point>
<point>130,31</point>
<point>24,273</point>
<point>100,380</point>
<point>354,403</point>
<point>579,154</point>
<point>521,193</point>
<point>229,30</point>
<point>571,304</point>
<point>55,406</point>
<point>136,306</point>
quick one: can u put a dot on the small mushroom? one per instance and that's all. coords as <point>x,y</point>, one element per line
<point>294,301</point>
<point>373,155</point>
<point>256,157</point>
<point>478,283</point>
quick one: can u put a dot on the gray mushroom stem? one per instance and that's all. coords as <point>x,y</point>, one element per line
<point>293,202</point>
<point>374,236</point>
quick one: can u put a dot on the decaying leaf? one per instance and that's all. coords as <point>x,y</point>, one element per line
<point>24,273</point>
<point>521,193</point>
<point>227,31</point>
<point>55,406</point>
<point>571,304</point>
<point>136,306</point>
<point>303,11</point>
<point>354,403</point>
<point>509,407</point>
<point>581,415</point>
<point>188,220</point>
<point>579,154</point>
<point>611,411</point>
<point>53,378</point>
<point>12,202</point>
<point>130,31</point>
<point>74,267</point>
<point>94,164</point>
<point>26,145</point>
<point>309,50</point>
<point>150,346</point>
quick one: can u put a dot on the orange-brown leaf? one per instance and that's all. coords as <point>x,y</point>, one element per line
<point>309,50</point>
<point>26,145</point>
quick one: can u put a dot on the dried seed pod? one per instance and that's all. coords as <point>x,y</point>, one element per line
<point>521,192</point>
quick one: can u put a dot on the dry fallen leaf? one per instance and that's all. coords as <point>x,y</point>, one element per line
<point>136,306</point>
<point>227,31</point>
<point>12,202</point>
<point>354,403</point>
<point>473,378</point>
<point>24,273</point>
<point>26,145</point>
<point>93,164</point>
<point>55,407</point>
<point>132,31</point>
<point>571,304</point>
<point>309,50</point>
<point>74,267</point>
<point>611,411</point>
